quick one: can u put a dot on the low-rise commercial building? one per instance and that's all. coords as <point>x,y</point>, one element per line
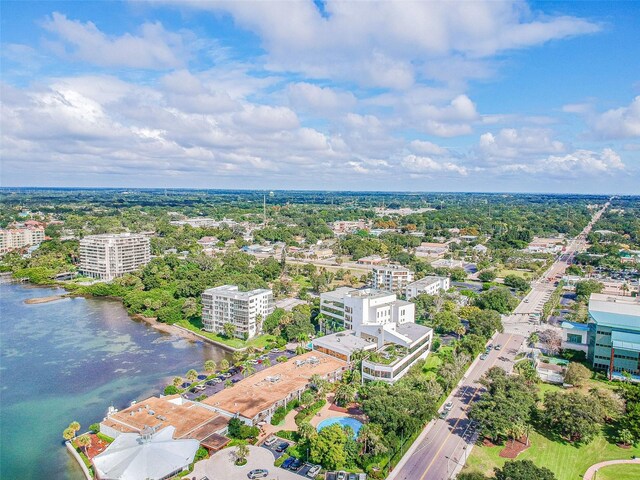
<point>430,249</point>
<point>371,260</point>
<point>244,310</point>
<point>255,398</point>
<point>431,285</point>
<point>393,278</point>
<point>109,256</point>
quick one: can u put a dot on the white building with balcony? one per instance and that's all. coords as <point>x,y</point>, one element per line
<point>243,310</point>
<point>431,285</point>
<point>380,326</point>
<point>392,278</point>
<point>109,256</point>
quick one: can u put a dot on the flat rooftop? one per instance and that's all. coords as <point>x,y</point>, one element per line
<point>413,331</point>
<point>261,390</point>
<point>160,412</point>
<point>232,291</point>
<point>429,280</point>
<point>615,311</point>
<point>345,342</point>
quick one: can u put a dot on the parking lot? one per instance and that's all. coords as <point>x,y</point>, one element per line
<point>303,467</point>
<point>235,375</point>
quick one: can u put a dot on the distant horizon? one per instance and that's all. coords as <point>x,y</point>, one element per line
<point>267,190</point>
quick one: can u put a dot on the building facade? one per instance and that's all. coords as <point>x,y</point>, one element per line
<point>614,334</point>
<point>392,278</point>
<point>431,285</point>
<point>378,326</point>
<point>14,238</point>
<point>109,256</point>
<point>227,304</point>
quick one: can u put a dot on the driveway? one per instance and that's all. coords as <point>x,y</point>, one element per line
<point>221,466</point>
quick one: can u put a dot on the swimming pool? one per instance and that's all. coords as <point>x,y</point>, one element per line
<point>343,422</point>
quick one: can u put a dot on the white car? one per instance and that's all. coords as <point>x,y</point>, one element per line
<point>313,471</point>
<point>448,406</point>
<point>270,441</point>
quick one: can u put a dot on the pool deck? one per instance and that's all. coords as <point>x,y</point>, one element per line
<point>325,413</point>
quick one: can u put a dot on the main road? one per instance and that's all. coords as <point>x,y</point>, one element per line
<point>443,446</point>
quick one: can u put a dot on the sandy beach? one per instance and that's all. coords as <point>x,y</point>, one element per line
<point>35,301</point>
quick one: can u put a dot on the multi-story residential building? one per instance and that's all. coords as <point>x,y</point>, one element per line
<point>341,227</point>
<point>227,304</point>
<point>109,256</point>
<point>378,323</point>
<point>14,238</point>
<point>393,278</point>
<point>614,334</point>
<point>431,285</point>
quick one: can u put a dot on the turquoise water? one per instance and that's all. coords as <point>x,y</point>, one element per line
<point>355,424</point>
<point>69,360</point>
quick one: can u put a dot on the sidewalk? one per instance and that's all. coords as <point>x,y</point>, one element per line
<point>589,474</point>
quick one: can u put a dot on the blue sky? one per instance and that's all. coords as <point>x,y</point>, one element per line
<point>420,96</point>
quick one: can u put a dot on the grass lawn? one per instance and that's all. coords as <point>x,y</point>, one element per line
<point>565,460</point>
<point>302,281</point>
<point>503,272</point>
<point>619,472</point>
<point>257,342</point>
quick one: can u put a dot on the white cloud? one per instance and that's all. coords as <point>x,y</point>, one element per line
<point>321,100</point>
<point>511,143</point>
<point>427,165</point>
<point>621,122</point>
<point>427,148</point>
<point>154,48</point>
<point>572,165</point>
<point>389,44</point>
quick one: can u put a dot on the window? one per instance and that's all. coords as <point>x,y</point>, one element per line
<point>574,338</point>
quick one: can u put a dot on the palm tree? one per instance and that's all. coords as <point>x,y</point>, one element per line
<point>306,430</point>
<point>460,330</point>
<point>319,383</point>
<point>75,426</point>
<point>242,452</point>
<point>177,381</point>
<point>249,369</point>
<point>237,357</point>
<point>250,350</point>
<point>68,433</point>
<point>210,366</point>
<point>344,395</point>
<point>192,375</point>
<point>84,441</point>
<point>224,364</point>
<point>266,362</point>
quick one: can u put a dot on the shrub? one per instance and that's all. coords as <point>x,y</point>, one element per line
<point>171,390</point>
<point>94,428</point>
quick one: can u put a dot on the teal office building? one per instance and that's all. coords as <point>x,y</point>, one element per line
<point>614,335</point>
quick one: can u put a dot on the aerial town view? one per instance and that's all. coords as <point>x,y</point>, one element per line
<point>320,239</point>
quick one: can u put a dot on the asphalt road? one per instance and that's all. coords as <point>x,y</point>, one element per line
<point>444,443</point>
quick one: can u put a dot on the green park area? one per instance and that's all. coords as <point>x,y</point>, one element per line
<point>619,472</point>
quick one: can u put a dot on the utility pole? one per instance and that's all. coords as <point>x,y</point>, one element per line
<point>264,210</point>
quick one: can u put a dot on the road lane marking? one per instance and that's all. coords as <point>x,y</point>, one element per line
<point>458,421</point>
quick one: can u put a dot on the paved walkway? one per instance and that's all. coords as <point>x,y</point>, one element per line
<point>594,468</point>
<point>221,466</point>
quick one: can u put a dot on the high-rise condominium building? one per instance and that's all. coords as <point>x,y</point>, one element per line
<point>392,278</point>
<point>227,304</point>
<point>14,238</point>
<point>112,255</point>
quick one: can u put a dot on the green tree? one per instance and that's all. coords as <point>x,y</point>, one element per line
<point>523,470</point>
<point>487,275</point>
<point>266,362</point>
<point>372,439</point>
<point>485,323</point>
<point>572,415</point>
<point>471,476</point>
<point>210,366</point>
<point>191,375</point>
<point>84,441</point>
<point>224,364</point>
<point>229,330</point>
<point>585,288</point>
<point>345,394</point>
<point>306,430</point>
<point>177,381</point>
<point>328,447</point>
<point>446,321</point>
<point>75,426</point>
<point>517,282</point>
<point>458,274</point>
<point>237,356</point>
<point>498,299</point>
<point>577,374</point>
<point>241,453</point>
<point>68,433</point>
<point>248,370</point>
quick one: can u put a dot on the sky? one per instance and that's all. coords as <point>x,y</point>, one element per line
<point>508,96</point>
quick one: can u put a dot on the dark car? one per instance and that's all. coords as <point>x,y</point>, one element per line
<point>287,463</point>
<point>282,447</point>
<point>297,463</point>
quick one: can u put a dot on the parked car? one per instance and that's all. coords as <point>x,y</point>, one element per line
<point>342,476</point>
<point>270,441</point>
<point>443,414</point>
<point>282,447</point>
<point>211,383</point>
<point>448,406</point>
<point>490,346</point>
<point>297,463</point>
<point>199,388</point>
<point>258,473</point>
<point>313,471</point>
<point>497,347</point>
<point>483,356</point>
<point>352,476</point>
<point>287,463</point>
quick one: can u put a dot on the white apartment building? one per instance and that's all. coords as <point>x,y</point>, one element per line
<point>227,304</point>
<point>431,285</point>
<point>109,256</point>
<point>378,323</point>
<point>392,278</point>
<point>14,238</point>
